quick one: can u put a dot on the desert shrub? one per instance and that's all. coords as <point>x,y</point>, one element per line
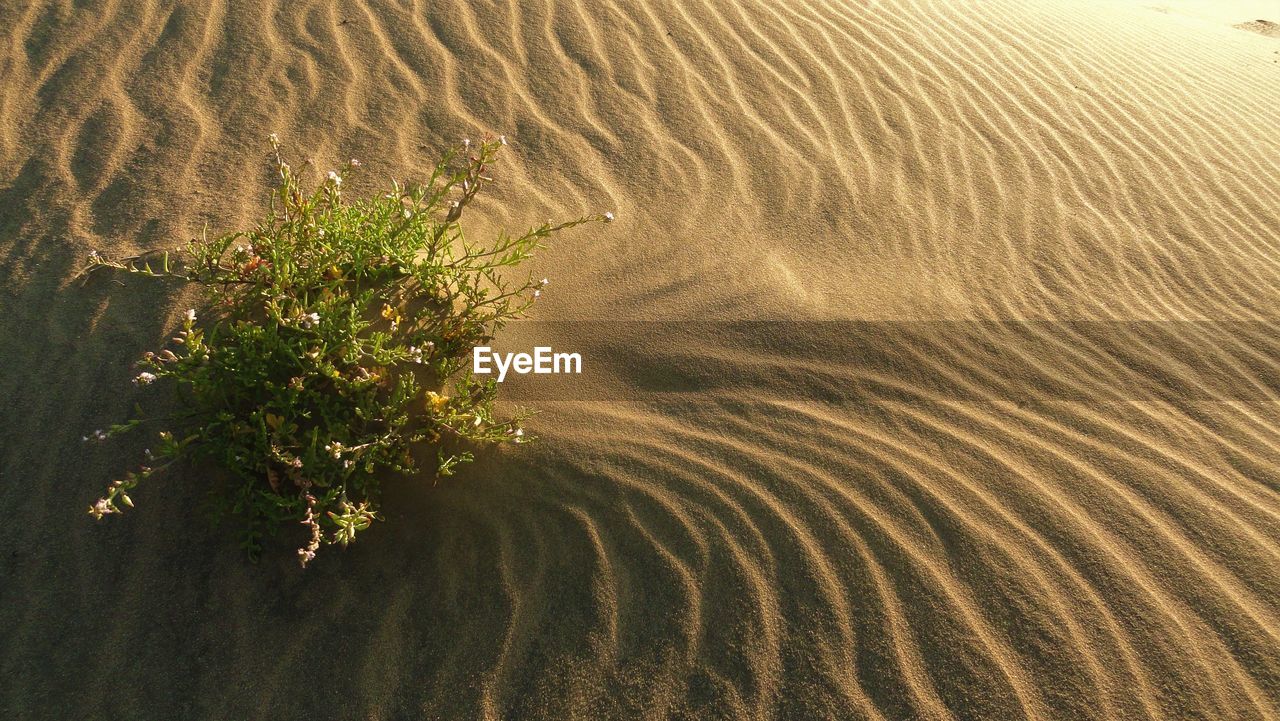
<point>332,351</point>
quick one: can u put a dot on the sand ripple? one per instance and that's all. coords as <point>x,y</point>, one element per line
<point>1038,523</point>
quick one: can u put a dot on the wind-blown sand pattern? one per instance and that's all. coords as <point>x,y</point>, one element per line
<point>1030,521</point>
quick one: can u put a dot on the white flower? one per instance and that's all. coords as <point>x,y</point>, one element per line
<point>320,232</point>
<point>310,319</point>
<point>355,163</point>
<point>608,217</point>
<point>101,507</point>
<point>466,142</point>
<point>502,139</point>
<point>415,354</point>
<point>347,464</point>
<point>537,294</point>
<point>190,315</point>
<point>407,214</point>
<point>544,283</point>
<point>335,178</point>
<point>144,378</point>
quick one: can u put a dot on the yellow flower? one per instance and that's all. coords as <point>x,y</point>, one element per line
<point>391,314</point>
<point>436,402</point>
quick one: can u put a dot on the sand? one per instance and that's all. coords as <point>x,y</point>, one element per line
<point>1037,480</point>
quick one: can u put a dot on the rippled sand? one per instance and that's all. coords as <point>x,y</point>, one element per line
<point>1072,512</point>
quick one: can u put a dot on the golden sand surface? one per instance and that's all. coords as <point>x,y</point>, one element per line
<point>1029,519</point>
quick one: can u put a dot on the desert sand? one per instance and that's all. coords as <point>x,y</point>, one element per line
<point>1000,439</point>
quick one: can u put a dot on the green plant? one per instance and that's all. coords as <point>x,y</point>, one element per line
<point>332,332</point>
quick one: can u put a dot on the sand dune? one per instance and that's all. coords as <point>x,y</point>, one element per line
<point>1037,480</point>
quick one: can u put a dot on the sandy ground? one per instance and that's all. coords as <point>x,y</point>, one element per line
<point>1073,512</point>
